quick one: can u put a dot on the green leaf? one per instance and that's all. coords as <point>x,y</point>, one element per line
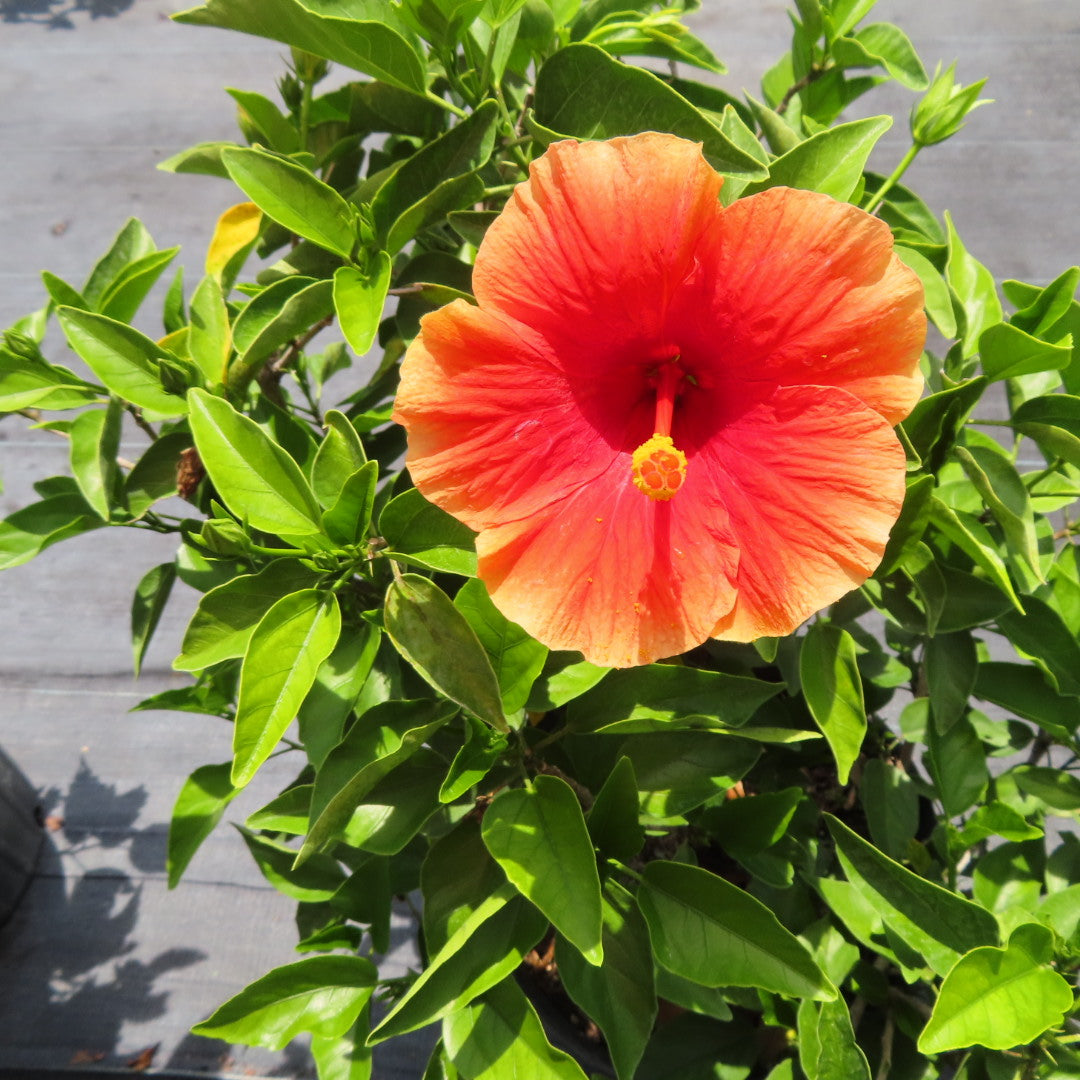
<point>1053,421</point>
<point>313,883</point>
<point>957,763</point>
<point>1006,352</point>
<point>397,807</point>
<point>838,1053</point>
<point>437,179</point>
<point>891,803</point>
<point>347,520</point>
<point>288,813</point>
<point>884,45</point>
<point>419,533</point>
<point>154,476</point>
<point>323,995</point>
<point>516,658</point>
<point>151,596</point>
<point>384,737</point>
<point>707,930</point>
<point>746,826</point>
<point>613,817</point>
<point>132,242</point>
<point>951,668</point>
<point>227,616</point>
<point>679,770</point>
<point>95,442</point>
<point>538,836</point>
<point>340,454</point>
<point>276,131</point>
<point>975,289</point>
<point>283,656</point>
<point>1041,633</point>
<point>935,922</point>
<point>488,945</point>
<point>1055,788</point>
<point>199,807</point>
<point>126,293</point>
<point>619,996</point>
<point>258,480</point>
<point>210,336</point>
<point>345,1057</point>
<point>474,760</point>
<point>31,383</point>
<point>831,161</point>
<point>935,289</point>
<point>434,637</point>
<point>657,696</point>
<point>625,100</point>
<point>122,358</point>
<point>360,34</point>
<point>833,690</point>
<point>998,998</point>
<point>28,531</point>
<point>294,197</point>
<point>359,297</point>
<point>564,677</point>
<point>500,1035</point>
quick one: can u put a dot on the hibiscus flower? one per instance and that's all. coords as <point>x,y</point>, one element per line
<point>666,419</point>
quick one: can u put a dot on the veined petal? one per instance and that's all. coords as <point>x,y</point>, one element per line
<point>607,571</point>
<point>595,245</point>
<point>799,289</point>
<point>495,429</point>
<point>813,481</point>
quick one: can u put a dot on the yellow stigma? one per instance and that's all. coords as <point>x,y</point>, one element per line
<point>658,468</point>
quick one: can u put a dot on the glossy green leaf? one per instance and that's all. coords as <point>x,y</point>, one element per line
<point>282,659</point>
<point>210,336</point>
<point>833,690</point>
<point>831,161</point>
<point>314,882</point>
<point>26,383</point>
<point>655,697</point>
<point>625,100</point>
<point>131,243</point>
<point>30,530</point>
<point>974,287</point>
<point>199,807</point>
<point>838,1054</point>
<point>421,534</point>
<point>258,480</point>
<point>499,1035</point>
<point>151,596</point>
<point>487,946</point>
<point>951,668</point>
<point>957,763</point>
<point>998,998</point>
<point>1055,788</point>
<point>361,34</point>
<point>323,995</point>
<point>122,358</point>
<point>679,770</point>
<point>747,826</point>
<point>482,748</point>
<point>612,819</point>
<point>345,1057</point>
<point>125,294</point>
<point>288,813</point>
<point>359,298</point>
<point>95,442</point>
<point>707,930</point>
<point>885,45</point>
<point>340,454</point>
<point>515,656</point>
<point>563,678</point>
<point>1041,633</point>
<point>227,616</point>
<point>378,742</point>
<point>619,996</point>
<point>154,476</point>
<point>1007,352</point>
<point>935,922</point>
<point>255,110</point>
<point>435,638</point>
<point>347,520</point>
<point>538,836</point>
<point>891,803</point>
<point>396,808</point>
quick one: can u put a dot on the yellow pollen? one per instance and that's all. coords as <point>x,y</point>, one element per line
<point>658,468</point>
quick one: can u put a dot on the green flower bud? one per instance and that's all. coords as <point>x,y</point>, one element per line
<point>943,108</point>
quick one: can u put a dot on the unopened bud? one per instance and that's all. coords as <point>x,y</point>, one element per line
<point>941,112</point>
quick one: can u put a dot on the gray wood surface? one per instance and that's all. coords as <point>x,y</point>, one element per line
<point>101,958</point>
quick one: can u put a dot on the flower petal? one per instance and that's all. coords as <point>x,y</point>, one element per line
<point>592,248</point>
<point>799,289</point>
<point>813,481</point>
<point>496,431</point>
<point>613,574</point>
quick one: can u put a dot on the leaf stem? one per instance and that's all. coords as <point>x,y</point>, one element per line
<point>449,106</point>
<point>624,869</point>
<point>879,196</point>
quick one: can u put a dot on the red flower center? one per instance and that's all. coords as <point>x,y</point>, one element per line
<point>658,466</point>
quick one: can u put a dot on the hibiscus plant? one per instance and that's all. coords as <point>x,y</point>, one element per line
<point>553,440</point>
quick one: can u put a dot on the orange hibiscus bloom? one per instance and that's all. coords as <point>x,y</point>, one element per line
<point>667,420</point>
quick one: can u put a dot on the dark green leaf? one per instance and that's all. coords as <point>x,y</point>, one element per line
<point>317,880</point>
<point>951,664</point>
<point>613,817</point>
<point>434,637</point>
<point>347,520</point>
<point>1042,634</point>
<point>30,530</point>
<point>833,690</point>
<point>891,803</point>
<point>707,930</point>
<point>474,759</point>
<point>957,762</point>
<point>151,596</point>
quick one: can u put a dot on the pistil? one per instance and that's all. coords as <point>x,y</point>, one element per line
<point>658,466</point>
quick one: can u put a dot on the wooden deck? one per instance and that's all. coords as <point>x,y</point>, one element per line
<point>101,959</point>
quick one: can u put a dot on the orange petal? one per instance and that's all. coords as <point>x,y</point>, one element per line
<point>813,481</point>
<point>496,429</point>
<point>799,289</point>
<point>591,249</point>
<point>609,572</point>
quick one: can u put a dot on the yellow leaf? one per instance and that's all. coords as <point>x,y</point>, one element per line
<point>236,229</point>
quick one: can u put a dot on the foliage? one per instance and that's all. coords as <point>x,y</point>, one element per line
<point>829,855</point>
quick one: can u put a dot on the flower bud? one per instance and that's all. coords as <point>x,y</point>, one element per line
<point>943,108</point>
